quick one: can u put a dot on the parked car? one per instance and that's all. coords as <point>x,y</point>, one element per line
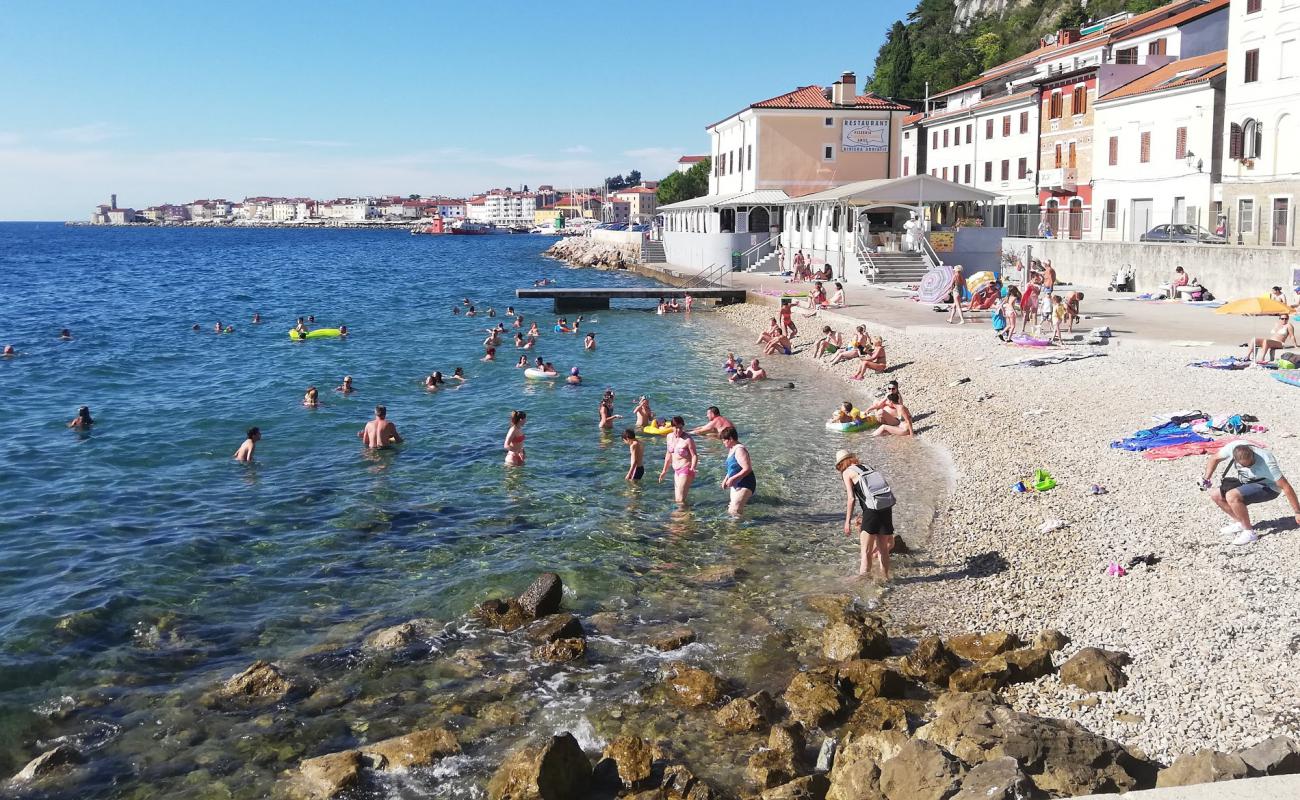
<point>1182,233</point>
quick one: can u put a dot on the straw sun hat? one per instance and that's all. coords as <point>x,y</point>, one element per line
<point>841,455</point>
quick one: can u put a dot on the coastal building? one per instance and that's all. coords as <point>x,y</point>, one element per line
<point>449,209</point>
<point>111,214</point>
<point>643,203</point>
<point>1261,174</point>
<point>803,141</point>
<point>210,210</point>
<point>1159,149</point>
<point>616,209</point>
<point>348,209</point>
<point>165,214</point>
<point>685,163</point>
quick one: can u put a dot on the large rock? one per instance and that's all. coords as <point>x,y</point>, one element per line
<point>561,651</point>
<point>811,787</point>
<point>1203,766</point>
<point>999,779</point>
<point>921,770</point>
<point>673,639</point>
<point>555,627</point>
<point>855,774</point>
<point>691,687</point>
<point>632,760</point>
<point>866,679</point>
<point>1051,639</point>
<point>1022,666</point>
<point>783,760</point>
<point>719,575</point>
<point>745,713</point>
<point>1279,755</point>
<point>327,776</point>
<point>507,615</point>
<point>853,637</point>
<point>1059,756</point>
<point>1096,670</point>
<point>416,749</point>
<point>50,761</point>
<point>554,770</point>
<point>813,698</point>
<point>931,662</point>
<point>835,606</point>
<point>544,596</point>
<point>982,677</point>
<point>881,714</point>
<point>401,637</point>
<point>981,646</point>
<point>262,682</point>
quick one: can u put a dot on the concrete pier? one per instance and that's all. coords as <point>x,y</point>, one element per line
<point>598,298</point>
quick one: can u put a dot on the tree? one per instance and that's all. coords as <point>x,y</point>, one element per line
<point>679,186</point>
<point>989,46</point>
<point>413,197</point>
<point>634,178</point>
<point>893,64</point>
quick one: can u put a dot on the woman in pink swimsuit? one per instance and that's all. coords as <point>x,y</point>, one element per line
<point>514,445</point>
<point>683,458</point>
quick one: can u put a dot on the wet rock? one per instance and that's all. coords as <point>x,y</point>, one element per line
<point>401,637</point>
<point>503,714</point>
<point>867,679</point>
<point>506,615</point>
<point>672,639</point>
<point>783,760</point>
<point>1095,670</point>
<point>931,662</point>
<point>606,623</point>
<point>879,714</point>
<point>65,755</point>
<point>921,770</point>
<point>327,776</point>
<point>1059,756</point>
<point>544,596</point>
<point>1051,639</point>
<point>834,606</point>
<point>561,651</point>
<point>417,749</point>
<point>720,575</point>
<point>1279,755</point>
<point>856,773</point>
<point>1203,766</point>
<point>813,698</point>
<point>790,739</point>
<point>981,646</point>
<point>678,781</point>
<point>999,779</point>
<point>82,623</point>
<point>632,760</point>
<point>262,682</point>
<point>979,678</point>
<point>554,770</point>
<point>745,713</point>
<point>812,787</point>
<point>1021,666</point>
<point>555,627</point>
<point>691,687</point>
<point>852,638</point>
<point>649,794</point>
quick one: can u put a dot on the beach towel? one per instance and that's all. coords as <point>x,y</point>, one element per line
<point>1193,448</point>
<point>1227,362</point>
<point>1049,360</point>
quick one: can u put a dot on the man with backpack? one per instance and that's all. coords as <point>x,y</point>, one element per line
<point>1257,479</point>
<point>868,491</point>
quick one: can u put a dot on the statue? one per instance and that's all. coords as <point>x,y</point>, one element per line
<point>912,233</point>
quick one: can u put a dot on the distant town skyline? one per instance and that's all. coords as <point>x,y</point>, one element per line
<point>176,103</point>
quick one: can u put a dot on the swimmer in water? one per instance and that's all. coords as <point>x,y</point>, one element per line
<point>244,454</point>
<point>471,312</point>
<point>540,364</point>
<point>83,420</point>
<point>606,411</point>
<point>432,382</point>
<point>533,332</point>
<point>519,340</point>
<point>643,413</point>
<point>589,343</point>
<point>311,319</point>
<point>490,355</point>
<point>65,335</point>
<point>510,311</point>
<point>574,378</point>
<point>455,311</point>
<point>514,444</point>
<point>523,363</point>
<point>683,458</point>
<point>301,325</point>
<point>459,374</point>
<point>10,351</point>
<point>343,331</point>
<point>740,473</point>
<point>465,301</point>
<point>492,312</point>
<point>347,387</point>
<point>379,432</point>
<point>229,329</point>
<point>312,398</point>
<point>257,318</point>
<point>195,328</point>
<point>218,328</point>
<point>519,322</point>
<point>636,454</point>
<point>549,369</point>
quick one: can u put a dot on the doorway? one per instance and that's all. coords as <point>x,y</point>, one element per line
<point>1281,221</point>
<point>1076,219</point>
<point>1142,210</point>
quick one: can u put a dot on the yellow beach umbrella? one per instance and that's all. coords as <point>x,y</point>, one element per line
<point>1254,307</point>
<point>976,282</point>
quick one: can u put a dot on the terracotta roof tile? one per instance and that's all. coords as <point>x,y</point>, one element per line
<point>1201,69</point>
<point>810,97</point>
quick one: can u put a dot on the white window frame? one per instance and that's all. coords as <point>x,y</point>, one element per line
<point>828,146</point>
<point>828,122</point>
<point>1243,229</point>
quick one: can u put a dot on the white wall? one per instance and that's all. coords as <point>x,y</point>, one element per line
<point>696,252</point>
<point>1273,98</point>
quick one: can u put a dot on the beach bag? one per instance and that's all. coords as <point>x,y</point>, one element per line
<point>876,493</point>
<point>999,321</point>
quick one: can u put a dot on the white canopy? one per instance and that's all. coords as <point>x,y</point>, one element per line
<point>761,197</point>
<point>910,191</point>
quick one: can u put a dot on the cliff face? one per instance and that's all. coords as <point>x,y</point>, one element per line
<point>968,10</point>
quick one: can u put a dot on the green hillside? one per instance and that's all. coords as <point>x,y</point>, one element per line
<point>927,46</point>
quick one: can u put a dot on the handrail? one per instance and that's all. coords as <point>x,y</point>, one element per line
<point>863,252</point>
<point>747,257</point>
<point>927,250</point>
<point>705,278</point>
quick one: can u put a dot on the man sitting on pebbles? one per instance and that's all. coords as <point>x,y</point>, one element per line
<point>1258,480</point>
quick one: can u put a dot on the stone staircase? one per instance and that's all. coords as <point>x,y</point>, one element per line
<point>895,267</point>
<point>767,263</point>
<point>653,253</point>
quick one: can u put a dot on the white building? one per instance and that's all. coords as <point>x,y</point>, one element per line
<point>1157,153</point>
<point>685,163</point>
<point>348,210</point>
<point>1261,174</point>
<point>451,209</point>
<point>210,210</point>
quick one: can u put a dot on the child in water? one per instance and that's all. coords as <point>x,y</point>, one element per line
<point>636,452</point>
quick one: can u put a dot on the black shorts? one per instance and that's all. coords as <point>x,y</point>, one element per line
<point>878,522</point>
<point>638,473</point>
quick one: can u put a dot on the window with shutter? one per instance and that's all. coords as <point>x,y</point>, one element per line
<point>1073,161</point>
<point>1114,151</point>
<point>935,144</point>
<point>1022,169</point>
<point>1234,141</point>
<point>1156,48</point>
<point>970,132</point>
<point>945,138</point>
<point>988,171</point>
<point>1252,66</point>
<point>1024,122</point>
<point>1058,157</point>
<point>1128,55</point>
<point>1110,213</point>
<point>1079,100</point>
<point>1253,6</point>
<point>907,162</point>
<point>1145,149</point>
<point>956,136</point>
<point>965,174</point>
<point>1180,143</point>
<point>1006,170</point>
<point>988,129</point>
<point>1006,125</point>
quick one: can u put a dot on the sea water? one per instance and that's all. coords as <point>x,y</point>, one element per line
<point>140,565</point>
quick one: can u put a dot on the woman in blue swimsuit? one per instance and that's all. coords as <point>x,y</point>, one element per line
<point>740,472</point>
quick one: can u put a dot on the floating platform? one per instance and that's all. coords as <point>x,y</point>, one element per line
<point>591,299</point>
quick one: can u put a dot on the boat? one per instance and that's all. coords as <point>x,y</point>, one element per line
<point>465,227</point>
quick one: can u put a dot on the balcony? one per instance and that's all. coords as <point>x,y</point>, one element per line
<point>1062,179</point>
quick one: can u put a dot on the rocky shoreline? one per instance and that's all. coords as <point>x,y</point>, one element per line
<point>584,251</point>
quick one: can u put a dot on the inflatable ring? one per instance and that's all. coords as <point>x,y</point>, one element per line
<point>540,375</point>
<point>1029,341</point>
<point>653,431</point>
<point>319,333</point>
<point>856,426</point>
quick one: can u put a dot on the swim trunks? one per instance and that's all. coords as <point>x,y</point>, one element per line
<point>878,521</point>
<point>638,473</point>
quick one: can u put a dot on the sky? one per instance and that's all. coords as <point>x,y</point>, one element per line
<point>173,102</point>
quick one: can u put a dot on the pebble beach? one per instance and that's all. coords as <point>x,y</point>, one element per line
<point>1211,628</point>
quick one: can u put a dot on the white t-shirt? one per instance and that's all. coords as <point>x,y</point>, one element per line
<point>1264,470</point>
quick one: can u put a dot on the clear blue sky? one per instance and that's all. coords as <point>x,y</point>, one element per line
<point>170,102</point>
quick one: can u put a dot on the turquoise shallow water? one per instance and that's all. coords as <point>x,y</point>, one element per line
<point>139,564</point>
